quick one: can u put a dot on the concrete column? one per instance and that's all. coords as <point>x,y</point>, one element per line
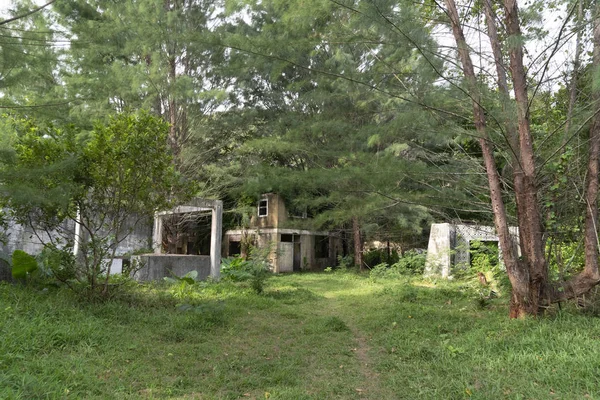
<point>157,233</point>
<point>77,239</point>
<point>216,227</point>
<point>438,260</point>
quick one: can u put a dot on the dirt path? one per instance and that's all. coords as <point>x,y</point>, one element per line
<point>370,386</point>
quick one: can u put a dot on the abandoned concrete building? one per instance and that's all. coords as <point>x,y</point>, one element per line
<point>177,241</point>
<point>290,248</point>
<point>450,244</point>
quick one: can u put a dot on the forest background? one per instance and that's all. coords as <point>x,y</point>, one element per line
<point>375,117</point>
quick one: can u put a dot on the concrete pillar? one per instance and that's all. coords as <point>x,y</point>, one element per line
<point>438,262</point>
<point>157,234</point>
<point>77,239</point>
<point>216,227</point>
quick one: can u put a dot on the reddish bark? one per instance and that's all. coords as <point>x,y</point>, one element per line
<point>516,272</point>
<point>528,276</point>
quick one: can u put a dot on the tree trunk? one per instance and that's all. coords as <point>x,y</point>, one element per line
<point>589,277</point>
<point>173,137</point>
<point>517,274</point>
<point>530,223</point>
<point>358,244</point>
<point>591,195</point>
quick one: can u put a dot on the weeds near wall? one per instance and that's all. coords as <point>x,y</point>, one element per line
<point>255,269</point>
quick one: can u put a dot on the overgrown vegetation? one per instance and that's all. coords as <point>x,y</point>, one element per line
<point>302,338</point>
<point>255,268</point>
<point>85,190</point>
<point>412,262</point>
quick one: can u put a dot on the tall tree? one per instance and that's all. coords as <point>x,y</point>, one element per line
<point>150,54</point>
<point>529,276</point>
<point>329,140</point>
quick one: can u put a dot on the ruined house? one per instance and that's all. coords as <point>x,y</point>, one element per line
<point>290,248</point>
<point>192,242</point>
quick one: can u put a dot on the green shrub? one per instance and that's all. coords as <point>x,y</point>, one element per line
<point>57,263</point>
<point>255,269</point>
<point>412,262</point>
<point>379,256</point>
<point>345,262</point>
<point>23,264</point>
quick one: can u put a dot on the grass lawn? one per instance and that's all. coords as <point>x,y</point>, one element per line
<point>308,336</point>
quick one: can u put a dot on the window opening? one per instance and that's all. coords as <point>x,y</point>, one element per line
<point>263,208</point>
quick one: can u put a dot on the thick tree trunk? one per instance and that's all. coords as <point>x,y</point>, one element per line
<point>517,274</point>
<point>512,138</point>
<point>358,244</point>
<point>530,223</point>
<point>590,276</point>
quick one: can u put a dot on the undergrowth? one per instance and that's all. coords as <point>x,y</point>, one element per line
<point>307,336</point>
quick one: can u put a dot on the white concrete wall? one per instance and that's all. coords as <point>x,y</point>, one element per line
<point>438,260</point>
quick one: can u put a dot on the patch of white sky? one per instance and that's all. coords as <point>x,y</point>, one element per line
<point>549,46</point>
<point>8,9</point>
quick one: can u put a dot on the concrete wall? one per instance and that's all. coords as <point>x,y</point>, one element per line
<point>439,261</point>
<point>276,214</point>
<point>139,237</point>
<point>158,266</point>
<point>24,238</point>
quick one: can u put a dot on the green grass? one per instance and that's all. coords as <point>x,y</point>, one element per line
<point>308,336</point>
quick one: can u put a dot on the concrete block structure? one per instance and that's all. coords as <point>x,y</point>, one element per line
<point>141,235</point>
<point>290,247</point>
<point>449,246</point>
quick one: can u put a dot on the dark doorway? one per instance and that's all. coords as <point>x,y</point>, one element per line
<point>235,248</point>
<point>297,257</point>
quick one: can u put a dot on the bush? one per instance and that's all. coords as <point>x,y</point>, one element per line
<point>485,275</point>
<point>379,256</point>
<point>411,263</point>
<point>345,262</point>
<point>255,269</point>
<point>57,263</point>
<point>23,265</point>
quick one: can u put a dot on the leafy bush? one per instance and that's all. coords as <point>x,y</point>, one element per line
<point>254,269</point>
<point>566,258</point>
<point>23,264</point>
<point>486,276</point>
<point>345,262</point>
<point>379,256</point>
<point>184,287</point>
<point>411,263</point>
<point>57,263</point>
